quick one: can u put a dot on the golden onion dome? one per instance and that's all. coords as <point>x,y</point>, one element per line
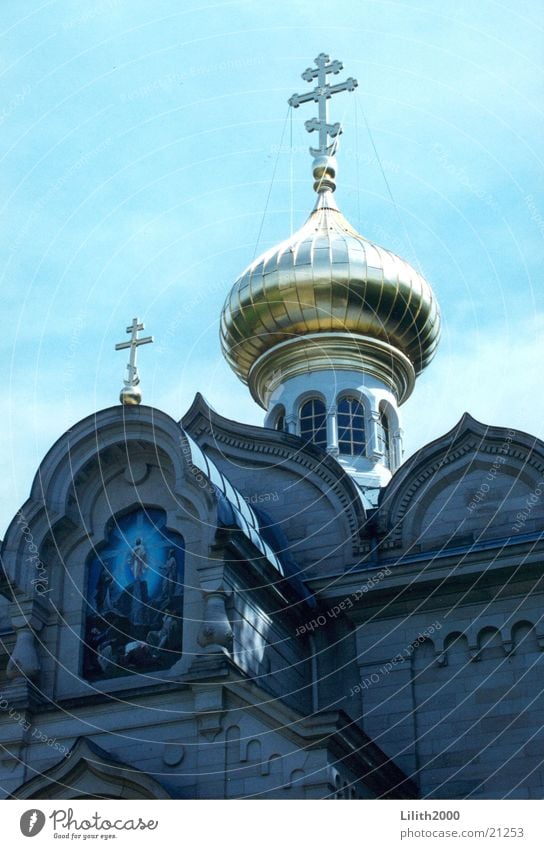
<point>327,298</point>
<point>328,279</point>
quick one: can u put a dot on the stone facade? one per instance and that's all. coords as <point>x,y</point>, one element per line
<point>325,649</point>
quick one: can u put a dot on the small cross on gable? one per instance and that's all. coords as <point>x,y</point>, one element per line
<point>133,377</point>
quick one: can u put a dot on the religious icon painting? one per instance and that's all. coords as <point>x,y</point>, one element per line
<point>134,601</point>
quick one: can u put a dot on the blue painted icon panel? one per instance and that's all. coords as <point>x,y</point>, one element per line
<point>134,597</point>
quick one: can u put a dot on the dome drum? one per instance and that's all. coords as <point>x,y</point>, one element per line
<point>331,352</point>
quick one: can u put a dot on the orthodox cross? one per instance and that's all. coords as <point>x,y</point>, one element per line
<point>133,344</point>
<point>321,94</point>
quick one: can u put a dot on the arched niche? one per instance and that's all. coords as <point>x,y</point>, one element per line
<point>456,649</point>
<point>134,596</point>
<point>524,638</point>
<point>490,644</point>
<point>277,418</point>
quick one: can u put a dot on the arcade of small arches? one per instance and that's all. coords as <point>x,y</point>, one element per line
<point>488,643</point>
<point>348,427</point>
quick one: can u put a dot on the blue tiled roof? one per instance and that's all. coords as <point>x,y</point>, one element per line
<point>233,508</point>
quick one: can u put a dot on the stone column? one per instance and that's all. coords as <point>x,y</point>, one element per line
<point>396,448</point>
<point>375,451</point>
<point>215,635</point>
<point>291,422</point>
<point>332,432</point>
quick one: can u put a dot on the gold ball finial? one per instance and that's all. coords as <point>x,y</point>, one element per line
<point>324,172</point>
<point>130,395</point>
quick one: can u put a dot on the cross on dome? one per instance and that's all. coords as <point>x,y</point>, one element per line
<point>321,95</point>
<point>327,308</point>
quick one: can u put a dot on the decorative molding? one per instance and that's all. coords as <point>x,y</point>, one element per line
<point>173,753</point>
<point>201,420</point>
<point>216,631</point>
<point>331,351</point>
<point>28,617</point>
<point>88,770</point>
<point>24,661</point>
<point>136,472</point>
<point>468,436</point>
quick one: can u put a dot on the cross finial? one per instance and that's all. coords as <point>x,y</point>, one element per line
<point>321,94</point>
<point>129,393</point>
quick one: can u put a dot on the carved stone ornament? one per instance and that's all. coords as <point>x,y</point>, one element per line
<point>24,662</point>
<point>216,632</point>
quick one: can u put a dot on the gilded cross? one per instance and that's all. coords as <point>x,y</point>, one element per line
<point>133,344</point>
<point>321,95</point>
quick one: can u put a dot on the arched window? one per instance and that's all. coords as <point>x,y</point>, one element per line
<point>351,427</point>
<point>279,418</point>
<point>385,438</point>
<point>313,423</point>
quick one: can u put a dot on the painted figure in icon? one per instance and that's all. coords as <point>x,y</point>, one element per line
<point>137,560</point>
<point>102,597</point>
<point>140,653</point>
<point>138,564</point>
<point>165,638</point>
<point>170,576</point>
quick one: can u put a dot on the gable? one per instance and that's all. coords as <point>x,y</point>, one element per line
<point>303,489</point>
<point>474,483</point>
<point>89,772</point>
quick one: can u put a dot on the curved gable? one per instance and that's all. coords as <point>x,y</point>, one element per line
<point>302,488</point>
<point>126,523</point>
<point>476,482</point>
<point>89,772</point>
<point>134,451</point>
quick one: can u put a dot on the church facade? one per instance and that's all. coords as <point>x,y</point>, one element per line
<point>207,609</point>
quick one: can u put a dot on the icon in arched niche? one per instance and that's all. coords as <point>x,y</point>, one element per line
<point>134,597</point>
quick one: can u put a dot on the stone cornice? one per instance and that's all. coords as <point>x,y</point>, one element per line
<point>331,351</point>
<point>430,571</point>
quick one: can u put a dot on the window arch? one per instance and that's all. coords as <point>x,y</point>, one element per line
<point>279,418</point>
<point>313,422</point>
<point>351,426</point>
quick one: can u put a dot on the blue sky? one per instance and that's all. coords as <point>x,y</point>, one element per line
<point>141,144</point>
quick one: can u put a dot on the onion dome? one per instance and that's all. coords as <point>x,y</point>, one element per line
<point>328,298</point>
